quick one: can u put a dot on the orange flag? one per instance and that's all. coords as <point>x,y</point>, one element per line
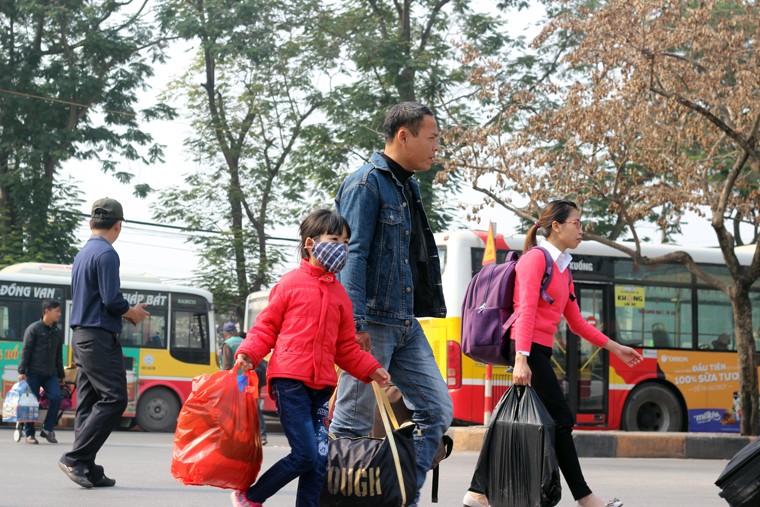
<point>489,256</point>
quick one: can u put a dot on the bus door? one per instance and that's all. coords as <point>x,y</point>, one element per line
<point>581,367</point>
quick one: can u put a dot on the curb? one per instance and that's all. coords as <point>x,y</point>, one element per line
<point>624,444</point>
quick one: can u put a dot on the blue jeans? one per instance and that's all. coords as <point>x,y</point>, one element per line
<point>405,352</point>
<point>302,413</point>
<point>52,392</point>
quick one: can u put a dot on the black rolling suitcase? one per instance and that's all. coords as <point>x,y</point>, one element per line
<point>740,480</point>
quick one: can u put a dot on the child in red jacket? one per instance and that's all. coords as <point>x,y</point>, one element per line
<point>309,323</point>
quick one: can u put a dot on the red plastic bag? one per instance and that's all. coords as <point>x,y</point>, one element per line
<point>217,441</point>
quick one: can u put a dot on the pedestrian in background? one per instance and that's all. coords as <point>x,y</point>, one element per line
<point>309,324</point>
<point>533,332</point>
<point>41,365</point>
<point>231,342</point>
<point>97,309</point>
<point>393,276</point>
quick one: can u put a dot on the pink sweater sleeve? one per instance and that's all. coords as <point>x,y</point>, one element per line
<point>529,272</point>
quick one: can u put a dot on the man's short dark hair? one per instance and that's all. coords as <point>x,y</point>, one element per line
<point>49,304</point>
<point>104,224</point>
<point>405,114</point>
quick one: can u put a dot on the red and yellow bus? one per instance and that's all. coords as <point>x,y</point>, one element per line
<point>161,355</point>
<point>684,384</point>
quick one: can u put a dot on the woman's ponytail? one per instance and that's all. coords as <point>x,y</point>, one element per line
<point>530,238</point>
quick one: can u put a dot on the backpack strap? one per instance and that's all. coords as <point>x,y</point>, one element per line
<point>547,279</point>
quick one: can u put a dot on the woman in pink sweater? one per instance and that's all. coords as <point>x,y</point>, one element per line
<point>533,332</point>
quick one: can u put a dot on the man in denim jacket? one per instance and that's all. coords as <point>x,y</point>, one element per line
<point>392,276</point>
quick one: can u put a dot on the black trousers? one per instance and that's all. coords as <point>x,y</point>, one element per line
<point>101,393</point>
<point>546,385</point>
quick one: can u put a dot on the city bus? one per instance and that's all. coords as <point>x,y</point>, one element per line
<point>161,355</point>
<point>689,379</point>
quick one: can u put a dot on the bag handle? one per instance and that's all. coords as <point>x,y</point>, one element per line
<point>389,409</point>
<point>383,404</point>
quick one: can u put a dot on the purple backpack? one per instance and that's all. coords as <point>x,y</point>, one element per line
<point>488,311</point>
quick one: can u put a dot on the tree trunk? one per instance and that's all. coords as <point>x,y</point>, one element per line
<point>746,356</point>
<point>238,240</point>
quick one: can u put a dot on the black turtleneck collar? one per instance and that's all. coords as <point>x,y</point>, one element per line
<point>399,172</point>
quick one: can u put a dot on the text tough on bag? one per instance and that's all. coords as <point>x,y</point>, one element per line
<point>372,472</point>
<point>488,311</point>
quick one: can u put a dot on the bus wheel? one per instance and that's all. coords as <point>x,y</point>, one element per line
<point>652,407</point>
<point>157,410</point>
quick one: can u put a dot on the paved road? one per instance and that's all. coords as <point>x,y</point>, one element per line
<point>140,464</point>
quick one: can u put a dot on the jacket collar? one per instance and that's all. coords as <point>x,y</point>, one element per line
<point>316,272</point>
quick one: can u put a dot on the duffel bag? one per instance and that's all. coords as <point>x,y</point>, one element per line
<point>372,472</point>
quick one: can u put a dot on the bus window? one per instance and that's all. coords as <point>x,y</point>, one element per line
<point>15,317</point>
<point>151,332</point>
<point>658,317</point>
<point>157,332</point>
<point>625,269</point>
<point>714,318</point>
<point>254,303</point>
<point>189,329</point>
<point>10,325</point>
<point>442,257</point>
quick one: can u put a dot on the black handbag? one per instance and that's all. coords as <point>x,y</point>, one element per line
<point>372,472</point>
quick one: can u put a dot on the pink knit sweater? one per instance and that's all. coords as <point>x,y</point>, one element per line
<point>537,320</point>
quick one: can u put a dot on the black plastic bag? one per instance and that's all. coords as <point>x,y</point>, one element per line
<point>518,463</point>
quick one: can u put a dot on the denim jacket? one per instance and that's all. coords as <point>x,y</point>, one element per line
<point>377,275</point>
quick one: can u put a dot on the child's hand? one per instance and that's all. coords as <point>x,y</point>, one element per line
<point>381,376</point>
<point>243,362</point>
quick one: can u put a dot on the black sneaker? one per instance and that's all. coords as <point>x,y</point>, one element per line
<point>97,477</point>
<point>104,482</point>
<point>76,473</point>
<point>48,435</point>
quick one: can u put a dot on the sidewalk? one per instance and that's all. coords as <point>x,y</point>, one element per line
<point>625,444</point>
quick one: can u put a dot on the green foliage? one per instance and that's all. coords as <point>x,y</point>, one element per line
<point>69,73</point>
<point>386,62</point>
<point>253,98</point>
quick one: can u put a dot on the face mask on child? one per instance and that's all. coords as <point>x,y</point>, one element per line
<point>331,255</point>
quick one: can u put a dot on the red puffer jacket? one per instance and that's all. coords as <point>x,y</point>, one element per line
<point>309,322</point>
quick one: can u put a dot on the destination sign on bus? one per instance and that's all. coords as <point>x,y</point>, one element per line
<point>151,299</point>
<point>17,290</point>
